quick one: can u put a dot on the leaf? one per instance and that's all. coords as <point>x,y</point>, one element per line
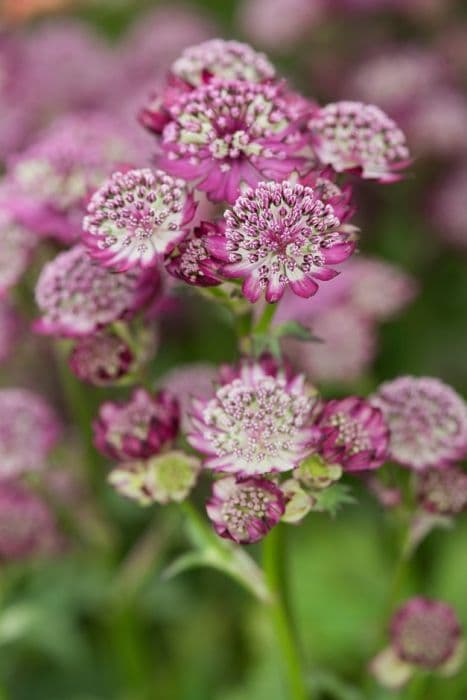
<point>333,498</point>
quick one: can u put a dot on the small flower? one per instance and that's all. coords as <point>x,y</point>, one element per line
<point>190,381</point>
<point>281,235</point>
<point>448,207</point>
<point>379,290</point>
<point>228,60</point>
<point>315,473</point>
<point>162,479</point>
<point>77,296</point>
<point>427,421</point>
<point>256,423</point>
<point>228,133</point>
<point>354,135</point>
<point>27,527</point>
<point>244,510</point>
<point>298,501</point>
<point>136,218</point>
<point>29,429</point>
<point>193,263</point>
<point>138,428</point>
<point>425,634</point>
<point>55,175</point>
<point>353,434</point>
<point>10,326</point>
<point>442,491</point>
<point>101,359</point>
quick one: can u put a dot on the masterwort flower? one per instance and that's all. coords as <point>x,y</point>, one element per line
<point>258,422</point>
<point>27,527</point>
<point>245,509</point>
<point>442,491</point>
<point>353,434</point>
<point>228,60</point>
<point>425,634</point>
<point>165,478</point>
<point>281,235</point>
<point>193,263</point>
<point>138,428</point>
<point>228,133</point>
<point>354,135</point>
<point>101,358</point>
<point>77,296</point>
<point>427,421</point>
<point>29,429</point>
<point>136,218</point>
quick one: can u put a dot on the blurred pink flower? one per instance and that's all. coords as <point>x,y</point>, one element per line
<point>448,207</point>
<point>280,24</point>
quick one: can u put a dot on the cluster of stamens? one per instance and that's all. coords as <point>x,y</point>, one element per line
<point>351,433</point>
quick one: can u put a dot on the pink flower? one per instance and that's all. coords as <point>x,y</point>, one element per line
<point>281,235</point>
<point>245,509</point>
<point>442,491</point>
<point>136,218</point>
<point>229,133</point>
<point>18,242</point>
<point>138,428</point>
<point>357,136</point>
<point>10,325</point>
<point>258,422</point>
<point>27,527</point>
<point>186,382</point>
<point>77,296</point>
<point>29,429</point>
<point>427,421</point>
<point>193,263</point>
<point>448,207</point>
<point>227,60</point>
<point>54,176</point>
<point>425,632</point>
<point>353,434</point>
<point>101,359</point>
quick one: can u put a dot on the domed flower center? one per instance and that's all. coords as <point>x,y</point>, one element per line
<point>246,505</point>
<point>351,433</point>
<point>426,638</point>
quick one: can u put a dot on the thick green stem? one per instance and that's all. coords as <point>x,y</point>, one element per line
<point>265,320</point>
<point>285,635</point>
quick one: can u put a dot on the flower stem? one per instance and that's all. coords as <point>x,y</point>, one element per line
<point>275,575</point>
<point>265,320</point>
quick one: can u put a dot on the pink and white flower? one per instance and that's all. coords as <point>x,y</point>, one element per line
<point>136,218</point>
<point>101,359</point>
<point>281,235</point>
<point>245,509</point>
<point>259,421</point>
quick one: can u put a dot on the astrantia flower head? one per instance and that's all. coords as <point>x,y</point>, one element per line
<point>228,60</point>
<point>442,491</point>
<point>27,527</point>
<point>77,296</point>
<point>256,423</point>
<point>228,133</point>
<point>138,428</point>
<point>281,235</point>
<point>377,289</point>
<point>448,207</point>
<point>56,174</point>
<point>245,509</point>
<point>354,135</point>
<point>193,263</point>
<point>136,218</point>
<point>427,421</point>
<point>353,434</point>
<point>101,358</point>
<point>29,429</point>
<point>425,634</point>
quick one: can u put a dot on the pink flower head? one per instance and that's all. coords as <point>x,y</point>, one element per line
<point>357,136</point>
<point>193,263</point>
<point>10,325</point>
<point>281,235</point>
<point>322,182</point>
<point>101,359</point>
<point>257,423</point>
<point>29,429</point>
<point>27,527</point>
<point>378,289</point>
<point>227,60</point>
<point>188,381</point>
<point>55,175</point>
<point>228,133</point>
<point>77,296</point>
<point>425,633</point>
<point>245,509</point>
<point>138,428</point>
<point>280,24</point>
<point>448,207</point>
<point>353,434</point>
<point>443,491</point>
<point>427,421</point>
<point>136,218</point>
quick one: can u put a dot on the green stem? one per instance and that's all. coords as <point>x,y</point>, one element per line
<point>265,320</point>
<point>275,576</point>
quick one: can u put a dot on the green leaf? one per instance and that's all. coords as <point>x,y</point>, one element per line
<point>333,498</point>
